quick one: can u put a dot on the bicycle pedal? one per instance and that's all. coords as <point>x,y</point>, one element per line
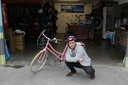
<point>58,60</point>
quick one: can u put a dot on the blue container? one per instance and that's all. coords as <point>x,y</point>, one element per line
<point>110,36</point>
<point>7,54</point>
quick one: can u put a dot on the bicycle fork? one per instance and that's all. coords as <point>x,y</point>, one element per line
<point>42,57</point>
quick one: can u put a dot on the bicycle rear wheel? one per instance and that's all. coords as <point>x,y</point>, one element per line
<point>38,61</point>
<point>99,21</point>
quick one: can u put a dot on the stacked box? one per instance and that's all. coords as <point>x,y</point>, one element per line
<point>19,41</point>
<point>10,37</point>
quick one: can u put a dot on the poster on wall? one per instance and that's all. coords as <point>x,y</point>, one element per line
<point>72,8</point>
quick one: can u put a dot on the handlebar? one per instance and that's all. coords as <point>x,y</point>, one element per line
<point>53,40</point>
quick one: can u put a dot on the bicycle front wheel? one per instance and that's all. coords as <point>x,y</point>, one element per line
<point>38,61</point>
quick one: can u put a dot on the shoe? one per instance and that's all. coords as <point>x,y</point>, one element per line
<point>70,74</point>
<point>92,76</point>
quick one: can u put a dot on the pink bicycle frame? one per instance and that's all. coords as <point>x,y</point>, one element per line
<point>59,55</point>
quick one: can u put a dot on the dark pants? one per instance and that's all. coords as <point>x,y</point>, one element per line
<point>87,69</point>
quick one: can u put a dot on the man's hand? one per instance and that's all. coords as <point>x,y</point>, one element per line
<point>81,59</point>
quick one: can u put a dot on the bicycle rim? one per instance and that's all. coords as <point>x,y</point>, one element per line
<point>38,61</point>
<point>99,21</point>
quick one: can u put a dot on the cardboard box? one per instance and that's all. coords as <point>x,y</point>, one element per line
<point>20,46</point>
<point>8,30</point>
<point>10,37</point>
<point>123,41</point>
<point>19,41</point>
<point>19,38</point>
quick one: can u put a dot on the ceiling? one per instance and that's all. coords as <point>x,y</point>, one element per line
<point>75,1</point>
<point>81,1</point>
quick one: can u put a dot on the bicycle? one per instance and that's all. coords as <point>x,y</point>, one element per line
<point>91,23</point>
<point>40,58</point>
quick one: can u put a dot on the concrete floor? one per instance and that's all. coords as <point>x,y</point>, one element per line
<point>108,71</point>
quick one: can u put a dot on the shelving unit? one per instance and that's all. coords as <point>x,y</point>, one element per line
<point>121,38</point>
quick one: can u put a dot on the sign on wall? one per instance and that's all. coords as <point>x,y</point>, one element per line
<point>72,8</point>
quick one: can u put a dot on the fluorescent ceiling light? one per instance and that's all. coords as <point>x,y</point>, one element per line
<point>69,0</point>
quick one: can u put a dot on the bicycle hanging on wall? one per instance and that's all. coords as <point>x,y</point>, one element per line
<point>90,22</point>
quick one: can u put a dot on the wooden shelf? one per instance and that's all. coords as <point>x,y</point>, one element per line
<point>95,7</point>
<point>120,29</point>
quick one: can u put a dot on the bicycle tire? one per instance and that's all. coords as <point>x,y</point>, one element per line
<point>99,20</point>
<point>41,42</point>
<point>36,64</point>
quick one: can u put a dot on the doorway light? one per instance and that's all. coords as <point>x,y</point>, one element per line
<point>69,0</point>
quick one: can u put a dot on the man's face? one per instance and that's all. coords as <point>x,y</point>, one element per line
<point>72,44</point>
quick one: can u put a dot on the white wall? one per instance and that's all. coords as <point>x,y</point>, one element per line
<point>64,18</point>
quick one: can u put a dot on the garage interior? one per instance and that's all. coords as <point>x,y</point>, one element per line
<point>105,42</point>
<point>25,20</point>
